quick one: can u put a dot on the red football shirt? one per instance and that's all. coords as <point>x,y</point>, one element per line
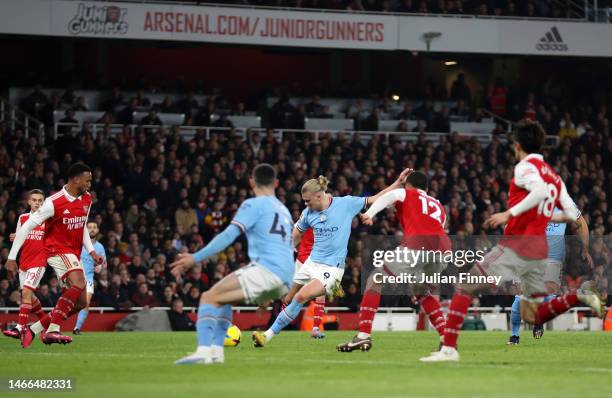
<point>422,217</point>
<point>65,217</point>
<point>526,233</point>
<point>33,250</point>
<point>305,246</point>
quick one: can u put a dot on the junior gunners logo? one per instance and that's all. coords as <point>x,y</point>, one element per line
<point>105,20</point>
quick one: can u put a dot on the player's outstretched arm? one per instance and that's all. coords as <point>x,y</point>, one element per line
<point>220,242</point>
<point>89,247</point>
<point>386,200</point>
<point>398,183</point>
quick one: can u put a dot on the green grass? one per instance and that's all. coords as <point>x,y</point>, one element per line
<point>562,364</point>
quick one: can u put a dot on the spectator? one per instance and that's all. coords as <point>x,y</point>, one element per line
<point>151,119</point>
<point>112,101</point>
<point>179,321</point>
<point>314,107</point>
<point>144,297</point>
<point>185,217</point>
<point>459,89</point>
<point>81,105</point>
<point>126,116</point>
<point>43,294</point>
<point>406,113</point>
<point>567,129</point>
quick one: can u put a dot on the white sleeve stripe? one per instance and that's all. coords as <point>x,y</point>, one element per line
<point>239,225</point>
<point>298,228</point>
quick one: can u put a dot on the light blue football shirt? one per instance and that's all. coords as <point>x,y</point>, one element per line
<point>331,228</point>
<point>268,227</point>
<point>555,236</point>
<point>88,262</point>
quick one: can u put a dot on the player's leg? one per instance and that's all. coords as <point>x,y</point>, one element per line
<point>367,311</point>
<point>85,311</point>
<point>431,306</point>
<point>309,291</point>
<point>68,269</point>
<point>214,317</point>
<point>294,289</point>
<point>497,262</point>
<point>319,310</point>
<point>32,278</point>
<point>515,321</point>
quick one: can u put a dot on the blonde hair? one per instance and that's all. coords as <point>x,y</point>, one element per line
<point>315,185</point>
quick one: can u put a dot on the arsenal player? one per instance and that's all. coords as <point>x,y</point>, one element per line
<point>534,193</point>
<point>422,218</point>
<point>32,263</point>
<point>65,214</point>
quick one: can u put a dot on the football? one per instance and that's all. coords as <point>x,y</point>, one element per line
<point>233,336</point>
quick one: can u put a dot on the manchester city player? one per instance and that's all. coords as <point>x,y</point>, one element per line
<point>555,236</point>
<point>89,267</point>
<point>267,225</point>
<point>330,218</point>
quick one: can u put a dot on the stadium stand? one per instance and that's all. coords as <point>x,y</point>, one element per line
<point>160,190</point>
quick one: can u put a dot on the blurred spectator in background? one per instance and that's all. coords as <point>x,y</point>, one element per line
<point>179,321</point>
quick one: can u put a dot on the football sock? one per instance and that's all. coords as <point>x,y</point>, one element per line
<point>285,317</point>
<point>224,320</point>
<point>319,308</point>
<point>64,307</point>
<point>81,319</point>
<point>24,313</point>
<point>431,307</point>
<point>40,314</point>
<point>456,315</point>
<point>205,326</point>
<point>367,311</point>
<point>557,306</point>
<point>515,316</point>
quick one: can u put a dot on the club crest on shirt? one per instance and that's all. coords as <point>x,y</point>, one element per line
<point>323,218</point>
<point>86,208</point>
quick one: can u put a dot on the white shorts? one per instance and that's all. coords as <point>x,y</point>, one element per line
<point>503,261</point>
<point>553,271</point>
<point>329,276</point>
<point>31,278</point>
<point>63,264</point>
<point>260,285</point>
<point>89,288</point>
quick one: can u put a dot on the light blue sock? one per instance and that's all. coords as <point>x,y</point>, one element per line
<point>224,320</point>
<point>81,319</point>
<point>286,316</point>
<point>205,326</point>
<point>515,316</point>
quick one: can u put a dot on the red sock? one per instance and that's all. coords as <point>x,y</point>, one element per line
<point>65,305</point>
<point>456,315</point>
<point>431,307</point>
<point>40,314</point>
<point>24,313</point>
<point>319,308</point>
<point>369,306</point>
<point>554,307</point>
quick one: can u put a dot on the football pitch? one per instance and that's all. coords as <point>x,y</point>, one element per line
<point>562,364</point>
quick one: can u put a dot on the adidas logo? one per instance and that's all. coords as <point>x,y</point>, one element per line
<point>552,41</point>
<point>66,211</point>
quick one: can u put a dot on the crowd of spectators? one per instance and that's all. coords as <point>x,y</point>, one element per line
<point>516,8</point>
<point>157,193</point>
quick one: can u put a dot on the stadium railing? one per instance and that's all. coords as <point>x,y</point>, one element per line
<point>190,131</point>
<point>19,119</point>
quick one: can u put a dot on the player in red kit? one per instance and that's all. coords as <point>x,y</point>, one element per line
<point>65,214</point>
<point>303,252</point>
<point>534,193</point>
<point>422,218</point>
<point>32,263</point>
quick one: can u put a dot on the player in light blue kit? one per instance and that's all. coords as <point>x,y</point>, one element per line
<point>89,267</point>
<point>330,218</point>
<point>267,225</point>
<point>555,237</point>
